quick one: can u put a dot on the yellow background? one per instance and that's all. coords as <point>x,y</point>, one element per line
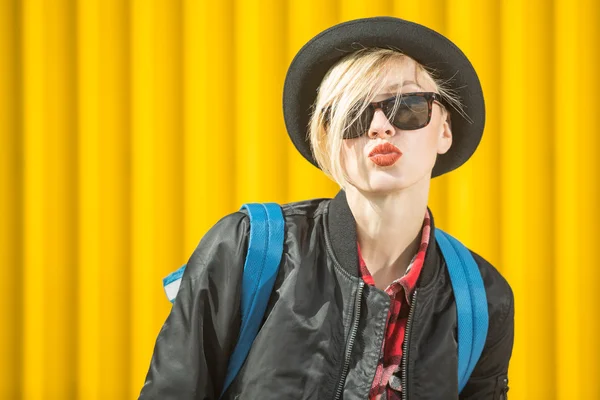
<point>128,128</point>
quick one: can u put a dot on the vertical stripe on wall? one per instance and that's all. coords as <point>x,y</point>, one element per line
<point>11,200</point>
<point>538,321</point>
<point>90,336</point>
<point>129,128</point>
<point>589,195</point>
<point>576,193</point>
<point>35,204</point>
<point>60,196</point>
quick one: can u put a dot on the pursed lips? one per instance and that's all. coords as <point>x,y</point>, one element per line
<point>385,154</point>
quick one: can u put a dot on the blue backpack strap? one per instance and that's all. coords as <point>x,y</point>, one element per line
<point>265,249</point>
<point>471,303</point>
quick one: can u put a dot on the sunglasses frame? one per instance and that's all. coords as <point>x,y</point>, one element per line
<point>353,132</point>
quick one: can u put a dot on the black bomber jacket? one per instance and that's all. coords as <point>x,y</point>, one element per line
<point>323,328</point>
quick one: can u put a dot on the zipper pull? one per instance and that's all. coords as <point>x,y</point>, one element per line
<point>503,385</point>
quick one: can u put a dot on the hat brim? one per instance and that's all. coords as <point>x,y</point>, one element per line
<point>426,46</point>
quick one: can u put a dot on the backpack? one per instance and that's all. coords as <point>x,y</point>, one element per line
<point>265,249</point>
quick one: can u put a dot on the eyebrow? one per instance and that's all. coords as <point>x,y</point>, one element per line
<point>396,86</point>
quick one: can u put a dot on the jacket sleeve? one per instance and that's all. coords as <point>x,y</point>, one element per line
<point>489,379</point>
<point>194,344</point>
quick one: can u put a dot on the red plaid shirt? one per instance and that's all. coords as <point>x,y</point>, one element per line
<point>400,292</point>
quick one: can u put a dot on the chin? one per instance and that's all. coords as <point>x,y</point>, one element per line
<point>381,181</point>
<point>386,183</point>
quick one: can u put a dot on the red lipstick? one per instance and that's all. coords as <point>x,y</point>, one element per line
<point>385,154</point>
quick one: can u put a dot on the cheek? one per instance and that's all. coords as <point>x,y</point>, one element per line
<point>351,150</point>
<point>432,138</point>
<point>424,143</point>
<point>422,152</point>
<point>353,162</point>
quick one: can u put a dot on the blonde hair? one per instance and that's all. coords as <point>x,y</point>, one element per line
<point>346,91</point>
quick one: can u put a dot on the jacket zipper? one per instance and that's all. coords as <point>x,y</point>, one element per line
<point>351,340</point>
<point>405,347</point>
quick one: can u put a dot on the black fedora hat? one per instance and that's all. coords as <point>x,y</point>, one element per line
<point>426,46</point>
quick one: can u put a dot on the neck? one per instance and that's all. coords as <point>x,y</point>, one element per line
<point>388,228</point>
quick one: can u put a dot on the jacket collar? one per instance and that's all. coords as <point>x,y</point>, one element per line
<point>341,228</point>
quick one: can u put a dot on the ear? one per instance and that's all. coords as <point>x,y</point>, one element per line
<point>445,136</point>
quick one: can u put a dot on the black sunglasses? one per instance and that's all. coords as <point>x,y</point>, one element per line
<point>413,112</point>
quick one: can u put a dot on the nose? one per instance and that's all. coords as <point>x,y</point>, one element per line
<point>380,125</point>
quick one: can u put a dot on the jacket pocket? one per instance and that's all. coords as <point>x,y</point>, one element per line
<point>501,392</point>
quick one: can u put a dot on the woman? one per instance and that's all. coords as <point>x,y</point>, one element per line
<point>389,104</point>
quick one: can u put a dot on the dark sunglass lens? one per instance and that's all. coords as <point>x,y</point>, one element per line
<point>412,113</point>
<point>360,126</point>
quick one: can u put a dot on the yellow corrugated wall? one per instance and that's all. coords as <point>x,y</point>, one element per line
<point>128,128</point>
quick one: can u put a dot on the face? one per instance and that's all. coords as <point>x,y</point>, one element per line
<point>418,149</point>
